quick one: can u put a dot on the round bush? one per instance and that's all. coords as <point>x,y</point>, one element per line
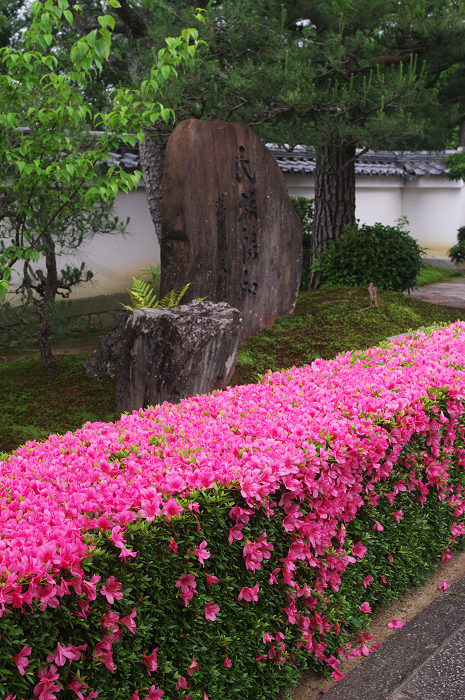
<point>385,255</point>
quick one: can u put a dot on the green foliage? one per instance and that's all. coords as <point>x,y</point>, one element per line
<point>455,164</point>
<point>385,255</point>
<point>143,297</point>
<point>304,208</point>
<point>457,252</point>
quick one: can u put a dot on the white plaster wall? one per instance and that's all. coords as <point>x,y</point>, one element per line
<point>114,260</point>
<point>378,200</point>
<point>434,207</point>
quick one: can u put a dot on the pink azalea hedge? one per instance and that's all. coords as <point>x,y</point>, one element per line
<point>307,448</point>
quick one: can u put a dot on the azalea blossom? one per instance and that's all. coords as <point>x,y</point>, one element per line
<point>181,683</point>
<point>151,661</point>
<point>359,550</point>
<point>128,621</point>
<point>211,609</point>
<point>365,607</point>
<point>227,662</point>
<point>193,667</point>
<point>202,553</point>
<point>396,624</point>
<point>249,594</point>
<point>21,659</point>
<point>444,586</point>
<point>112,590</point>
<point>153,693</point>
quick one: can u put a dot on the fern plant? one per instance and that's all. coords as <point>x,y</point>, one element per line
<point>143,297</point>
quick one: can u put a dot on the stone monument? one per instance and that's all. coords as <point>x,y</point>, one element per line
<point>228,224</point>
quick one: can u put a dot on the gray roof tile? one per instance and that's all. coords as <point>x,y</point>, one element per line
<point>301,161</point>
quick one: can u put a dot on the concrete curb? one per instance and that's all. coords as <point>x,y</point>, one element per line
<point>422,661</point>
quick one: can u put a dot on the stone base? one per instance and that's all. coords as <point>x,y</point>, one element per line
<point>170,354</point>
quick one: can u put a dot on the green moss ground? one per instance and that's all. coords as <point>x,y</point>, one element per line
<point>430,275</point>
<point>329,321</point>
<point>326,322</point>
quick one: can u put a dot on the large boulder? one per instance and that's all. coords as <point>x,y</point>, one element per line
<point>228,224</point>
<point>170,354</point>
<point>102,363</point>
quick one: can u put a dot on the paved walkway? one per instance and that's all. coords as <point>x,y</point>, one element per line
<point>425,660</point>
<point>450,293</point>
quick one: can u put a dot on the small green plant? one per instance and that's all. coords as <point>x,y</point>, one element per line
<point>143,297</point>
<point>457,252</point>
<point>385,255</point>
<point>304,209</point>
<point>153,275</point>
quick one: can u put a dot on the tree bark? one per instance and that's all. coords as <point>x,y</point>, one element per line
<point>49,363</point>
<point>151,162</point>
<point>45,307</point>
<point>334,197</point>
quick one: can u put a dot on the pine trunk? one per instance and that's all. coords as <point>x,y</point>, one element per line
<point>49,363</point>
<point>334,197</point>
<point>151,161</point>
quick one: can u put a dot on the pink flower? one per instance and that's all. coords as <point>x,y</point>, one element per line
<point>112,590</point>
<point>194,506</point>
<point>359,550</point>
<point>110,621</point>
<point>378,527</point>
<point>367,580</point>
<point>90,587</point>
<point>172,545</point>
<point>249,594</point>
<point>211,579</point>
<point>446,556</point>
<point>390,557</point>
<point>171,508</point>
<point>202,553</point>
<point>398,515</point>
<point>235,533</point>
<point>444,586</point>
<point>153,693</point>
<point>365,607</point>
<point>186,582</point>
<point>396,624</point>
<point>76,686</point>
<point>151,661</point>
<point>211,610</point>
<point>193,667</point>
<point>128,621</point>
<point>61,654</point>
<point>227,662</point>
<point>338,676</point>
<point>21,659</point>
<point>45,688</point>
<point>181,683</point>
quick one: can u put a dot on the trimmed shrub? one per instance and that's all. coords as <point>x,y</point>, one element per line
<point>457,252</point>
<point>218,547</point>
<point>385,255</point>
